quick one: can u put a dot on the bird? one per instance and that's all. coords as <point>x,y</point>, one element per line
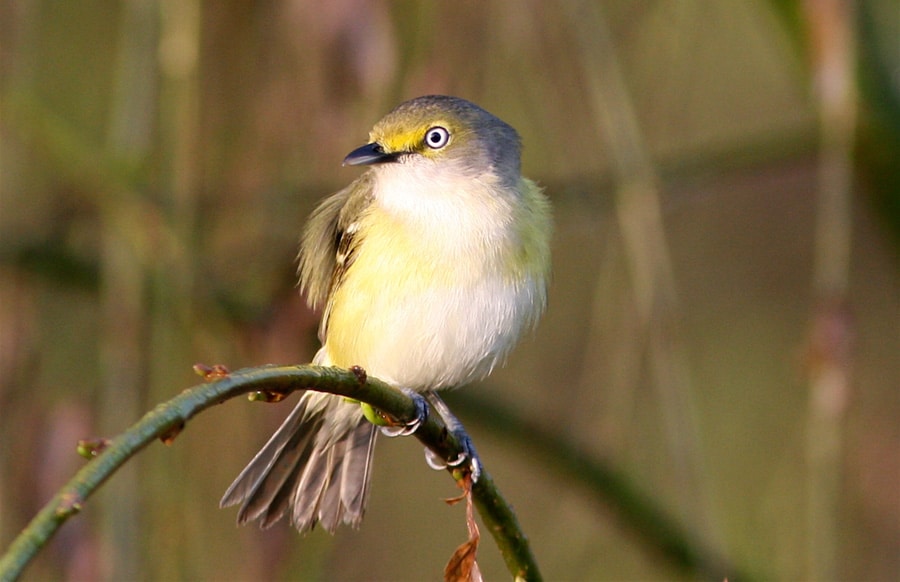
<point>428,268</point>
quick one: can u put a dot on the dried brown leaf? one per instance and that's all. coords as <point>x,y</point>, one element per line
<point>463,565</point>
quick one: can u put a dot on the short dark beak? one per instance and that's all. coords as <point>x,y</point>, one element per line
<point>371,153</point>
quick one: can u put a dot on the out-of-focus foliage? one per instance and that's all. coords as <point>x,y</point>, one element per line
<point>879,29</point>
<point>158,159</point>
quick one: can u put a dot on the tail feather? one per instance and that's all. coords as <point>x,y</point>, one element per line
<point>347,467</point>
<point>357,472</point>
<point>273,468</point>
<point>330,508</point>
<point>316,468</point>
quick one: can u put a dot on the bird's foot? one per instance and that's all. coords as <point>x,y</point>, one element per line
<point>393,427</point>
<point>466,462</point>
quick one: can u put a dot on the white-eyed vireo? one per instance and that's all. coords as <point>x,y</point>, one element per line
<point>429,267</point>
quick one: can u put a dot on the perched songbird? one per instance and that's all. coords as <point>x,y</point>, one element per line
<point>428,267</point>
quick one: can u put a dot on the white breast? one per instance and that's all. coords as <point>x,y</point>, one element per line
<point>432,300</point>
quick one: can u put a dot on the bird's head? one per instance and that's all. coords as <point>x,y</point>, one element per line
<point>440,129</point>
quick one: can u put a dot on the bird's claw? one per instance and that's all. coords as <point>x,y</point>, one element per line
<point>468,456</point>
<point>408,428</point>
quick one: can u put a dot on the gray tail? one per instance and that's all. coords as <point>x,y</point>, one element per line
<point>316,466</point>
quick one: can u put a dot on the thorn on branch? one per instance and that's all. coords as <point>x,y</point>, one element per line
<point>69,505</point>
<point>211,373</point>
<point>361,376</point>
<point>270,396</point>
<point>462,474</point>
<point>168,437</point>
<point>90,448</point>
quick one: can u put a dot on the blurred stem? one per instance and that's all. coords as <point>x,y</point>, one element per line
<point>179,50</point>
<point>172,320</point>
<point>639,213</point>
<point>123,259</point>
<point>167,420</point>
<point>831,33</point>
<point>122,301</point>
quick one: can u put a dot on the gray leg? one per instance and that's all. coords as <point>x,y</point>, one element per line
<point>469,453</point>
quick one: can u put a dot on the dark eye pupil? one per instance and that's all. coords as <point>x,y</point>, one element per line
<point>437,137</point>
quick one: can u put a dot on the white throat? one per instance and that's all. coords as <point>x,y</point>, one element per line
<point>439,196</point>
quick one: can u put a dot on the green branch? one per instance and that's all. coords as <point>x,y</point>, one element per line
<point>637,512</point>
<point>169,418</point>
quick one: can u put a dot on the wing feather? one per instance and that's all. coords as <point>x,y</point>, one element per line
<point>329,242</point>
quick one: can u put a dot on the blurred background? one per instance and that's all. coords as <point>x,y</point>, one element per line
<point>723,337</point>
